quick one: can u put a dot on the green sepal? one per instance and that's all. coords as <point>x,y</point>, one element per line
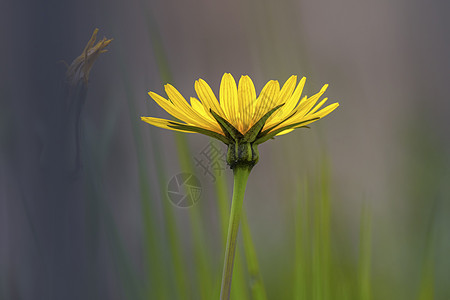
<point>229,130</point>
<point>242,155</point>
<point>253,132</point>
<point>268,136</point>
<point>200,130</point>
<point>263,133</point>
<point>255,153</point>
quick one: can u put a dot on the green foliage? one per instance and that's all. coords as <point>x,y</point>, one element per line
<point>324,262</point>
<point>321,267</point>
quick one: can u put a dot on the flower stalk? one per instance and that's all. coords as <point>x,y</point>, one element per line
<point>241,174</point>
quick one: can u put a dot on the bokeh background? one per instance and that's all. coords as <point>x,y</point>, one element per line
<point>102,227</point>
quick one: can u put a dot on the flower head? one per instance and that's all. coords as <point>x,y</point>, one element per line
<point>241,119</point>
<point>82,65</point>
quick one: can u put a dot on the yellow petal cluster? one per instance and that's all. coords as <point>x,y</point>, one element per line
<point>240,105</point>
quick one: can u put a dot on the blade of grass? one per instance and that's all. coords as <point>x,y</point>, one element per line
<point>202,261</point>
<point>181,287</point>
<point>152,238</point>
<point>427,282</point>
<point>256,282</point>
<point>365,255</point>
<point>301,241</point>
<point>321,242</point>
<point>156,283</point>
<point>201,248</point>
<point>126,271</point>
<point>426,287</point>
<point>325,219</point>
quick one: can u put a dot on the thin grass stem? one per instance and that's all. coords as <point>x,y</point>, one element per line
<point>256,283</point>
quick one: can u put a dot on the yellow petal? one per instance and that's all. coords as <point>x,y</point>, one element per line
<point>300,113</point>
<point>314,98</point>
<point>286,131</point>
<point>286,90</point>
<point>291,129</point>
<point>315,108</point>
<point>305,106</point>
<point>207,97</point>
<point>266,100</point>
<point>169,107</point>
<point>246,102</point>
<point>289,116</point>
<point>181,114</point>
<point>323,112</point>
<point>290,104</point>
<point>197,117</point>
<point>181,104</point>
<point>283,97</point>
<point>162,123</point>
<point>200,109</point>
<point>229,98</point>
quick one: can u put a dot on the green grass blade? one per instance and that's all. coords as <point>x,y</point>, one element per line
<point>256,283</point>
<point>301,260</point>
<point>427,281</point>
<point>181,283</point>
<point>365,255</point>
<point>325,228</point>
<point>201,248</point>
<point>126,271</point>
<point>155,269</point>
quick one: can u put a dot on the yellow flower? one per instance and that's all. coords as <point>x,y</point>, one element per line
<point>241,117</point>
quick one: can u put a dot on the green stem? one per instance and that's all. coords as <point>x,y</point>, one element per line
<point>240,181</point>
